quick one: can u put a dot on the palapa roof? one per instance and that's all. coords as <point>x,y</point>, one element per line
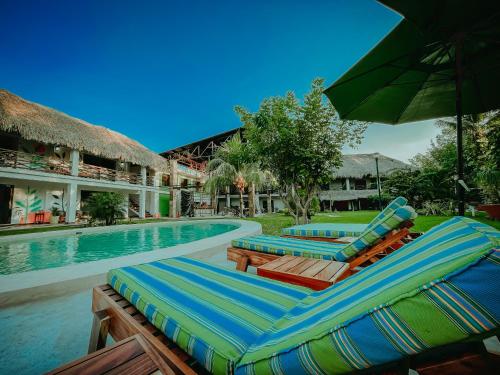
<point>363,165</point>
<point>36,122</point>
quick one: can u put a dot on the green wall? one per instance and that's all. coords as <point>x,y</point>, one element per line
<point>164,205</point>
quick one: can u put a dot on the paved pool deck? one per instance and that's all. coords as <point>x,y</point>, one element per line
<point>39,336</point>
<point>45,315</point>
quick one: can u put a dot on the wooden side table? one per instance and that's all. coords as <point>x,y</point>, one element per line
<point>316,274</point>
<point>133,355</point>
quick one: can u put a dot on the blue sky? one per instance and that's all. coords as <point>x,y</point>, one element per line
<point>170,72</point>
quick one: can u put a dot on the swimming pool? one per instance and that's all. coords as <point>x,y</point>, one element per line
<point>70,248</point>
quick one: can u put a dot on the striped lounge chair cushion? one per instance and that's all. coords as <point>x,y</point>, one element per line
<point>336,230</point>
<point>394,205</point>
<point>326,250</point>
<point>289,246</point>
<point>378,229</point>
<point>440,288</point>
<point>212,313</point>
<point>325,230</point>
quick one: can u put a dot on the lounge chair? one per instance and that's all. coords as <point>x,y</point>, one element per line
<point>435,298</point>
<point>333,231</point>
<point>379,238</point>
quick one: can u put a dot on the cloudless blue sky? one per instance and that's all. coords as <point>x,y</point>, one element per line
<point>170,72</point>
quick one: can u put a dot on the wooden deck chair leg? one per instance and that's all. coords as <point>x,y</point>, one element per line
<point>100,328</point>
<point>242,263</point>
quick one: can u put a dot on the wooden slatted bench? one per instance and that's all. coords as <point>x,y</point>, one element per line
<point>133,355</point>
<point>316,274</point>
<point>113,314</point>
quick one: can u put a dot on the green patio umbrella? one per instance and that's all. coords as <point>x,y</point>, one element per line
<point>442,59</point>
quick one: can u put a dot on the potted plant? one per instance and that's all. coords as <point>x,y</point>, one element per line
<point>54,219</point>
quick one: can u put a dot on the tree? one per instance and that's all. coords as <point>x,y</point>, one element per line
<point>107,206</point>
<point>432,178</point>
<point>233,165</point>
<point>299,143</point>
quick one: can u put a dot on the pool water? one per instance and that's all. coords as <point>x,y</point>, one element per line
<point>49,252</point>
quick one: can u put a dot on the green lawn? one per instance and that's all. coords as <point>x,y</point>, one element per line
<point>273,223</point>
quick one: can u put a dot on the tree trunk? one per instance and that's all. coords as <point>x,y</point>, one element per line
<point>286,201</point>
<point>269,203</point>
<point>241,203</point>
<point>251,200</point>
<point>214,200</point>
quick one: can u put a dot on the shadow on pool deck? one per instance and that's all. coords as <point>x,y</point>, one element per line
<point>40,336</point>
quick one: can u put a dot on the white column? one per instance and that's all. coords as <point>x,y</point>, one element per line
<point>228,200</point>
<point>143,176</point>
<point>75,162</point>
<point>157,180</point>
<point>71,201</point>
<point>155,204</point>
<point>173,192</point>
<point>125,205</point>
<point>347,184</point>
<point>142,203</point>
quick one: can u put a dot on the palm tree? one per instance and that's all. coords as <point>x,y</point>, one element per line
<point>232,165</point>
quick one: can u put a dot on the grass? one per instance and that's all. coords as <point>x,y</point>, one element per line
<point>273,223</point>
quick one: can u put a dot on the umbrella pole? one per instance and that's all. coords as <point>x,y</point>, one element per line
<point>458,104</point>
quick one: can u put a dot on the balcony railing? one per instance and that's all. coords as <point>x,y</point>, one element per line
<point>22,160</point>
<point>150,180</point>
<point>105,174</point>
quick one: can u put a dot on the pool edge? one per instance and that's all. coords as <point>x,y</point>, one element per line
<point>33,285</point>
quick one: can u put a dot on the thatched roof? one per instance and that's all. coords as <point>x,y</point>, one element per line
<point>36,122</point>
<point>363,165</point>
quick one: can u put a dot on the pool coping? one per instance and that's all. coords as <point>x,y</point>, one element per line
<point>26,286</point>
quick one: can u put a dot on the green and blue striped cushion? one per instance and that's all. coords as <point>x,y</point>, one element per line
<point>325,230</point>
<point>326,250</point>
<point>337,230</point>
<point>212,313</point>
<point>378,229</point>
<point>394,205</point>
<point>289,246</point>
<point>441,288</point>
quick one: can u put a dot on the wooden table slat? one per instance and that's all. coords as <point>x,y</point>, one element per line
<point>292,262</point>
<point>329,271</point>
<point>275,263</point>
<point>315,269</point>
<point>132,356</point>
<point>141,364</point>
<point>339,273</point>
<point>101,363</point>
<point>308,262</point>
<point>313,273</point>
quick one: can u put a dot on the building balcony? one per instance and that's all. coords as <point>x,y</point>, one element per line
<point>34,162</point>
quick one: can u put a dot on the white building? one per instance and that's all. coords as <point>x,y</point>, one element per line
<point>49,159</point>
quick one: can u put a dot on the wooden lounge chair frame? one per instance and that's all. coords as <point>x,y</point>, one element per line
<point>394,240</point>
<point>113,314</point>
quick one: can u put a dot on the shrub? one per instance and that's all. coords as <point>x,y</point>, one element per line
<point>106,206</point>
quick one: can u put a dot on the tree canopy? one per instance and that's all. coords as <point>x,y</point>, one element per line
<point>299,142</point>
